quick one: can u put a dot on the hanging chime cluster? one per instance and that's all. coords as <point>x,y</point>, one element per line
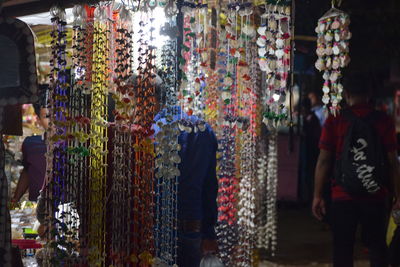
<point>333,54</point>
<point>112,185</point>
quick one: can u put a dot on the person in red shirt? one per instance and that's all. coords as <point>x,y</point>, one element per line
<point>347,210</point>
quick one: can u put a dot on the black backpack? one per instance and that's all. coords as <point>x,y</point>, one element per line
<point>362,166</point>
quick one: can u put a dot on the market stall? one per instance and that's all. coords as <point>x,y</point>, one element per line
<point>111,184</point>
<point>215,69</point>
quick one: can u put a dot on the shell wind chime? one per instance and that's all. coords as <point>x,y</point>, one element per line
<point>275,61</point>
<point>274,57</point>
<point>333,54</point>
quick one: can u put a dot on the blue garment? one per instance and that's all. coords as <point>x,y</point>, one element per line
<point>320,113</point>
<point>198,186</point>
<point>189,250</point>
<point>34,161</point>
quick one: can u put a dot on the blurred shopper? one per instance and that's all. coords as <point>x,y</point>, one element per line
<point>33,160</point>
<point>317,107</point>
<point>309,149</point>
<point>354,147</point>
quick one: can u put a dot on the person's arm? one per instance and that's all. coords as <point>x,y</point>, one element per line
<point>322,172</point>
<point>22,186</point>
<point>395,177</point>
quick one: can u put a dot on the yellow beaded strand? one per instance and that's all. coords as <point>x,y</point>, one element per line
<point>98,146</point>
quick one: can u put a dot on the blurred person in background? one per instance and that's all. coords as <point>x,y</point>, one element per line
<point>316,106</point>
<point>309,149</point>
<point>33,160</point>
<point>362,186</point>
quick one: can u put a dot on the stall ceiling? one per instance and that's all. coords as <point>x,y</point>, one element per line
<point>17,8</point>
<point>17,2</point>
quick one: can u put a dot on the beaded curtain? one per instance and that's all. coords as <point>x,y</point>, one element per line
<point>111,184</point>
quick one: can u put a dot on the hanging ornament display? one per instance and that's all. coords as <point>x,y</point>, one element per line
<point>333,55</point>
<point>227,228</point>
<point>211,69</point>
<point>167,161</point>
<point>98,135</point>
<point>262,240</point>
<point>118,169</point>
<point>119,225</point>
<point>274,53</point>
<point>270,227</point>
<point>61,246</point>
<point>80,120</point>
<point>194,57</point>
<point>145,93</point>
<point>247,125</point>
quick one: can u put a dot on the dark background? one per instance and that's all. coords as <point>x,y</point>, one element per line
<point>374,47</point>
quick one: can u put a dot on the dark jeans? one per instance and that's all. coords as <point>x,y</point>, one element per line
<point>189,249</point>
<point>345,217</point>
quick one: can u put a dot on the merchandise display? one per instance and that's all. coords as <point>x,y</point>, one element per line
<point>274,51</point>
<point>23,217</point>
<point>333,55</point>
<point>111,186</point>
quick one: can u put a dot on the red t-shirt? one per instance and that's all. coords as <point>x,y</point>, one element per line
<point>332,140</point>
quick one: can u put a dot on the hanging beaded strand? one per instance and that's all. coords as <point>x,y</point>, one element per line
<point>77,136</point>
<point>56,145</point>
<point>144,150</point>
<point>228,181</point>
<point>120,223</point>
<point>98,137</point>
<point>167,160</point>
<point>138,162</point>
<point>50,148</point>
<point>212,69</point>
<point>246,127</point>
<point>272,180</point>
<point>262,242</point>
<point>86,85</point>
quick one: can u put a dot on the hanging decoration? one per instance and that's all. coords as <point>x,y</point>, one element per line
<point>98,136</point>
<point>248,124</point>
<point>333,55</point>
<point>275,58</point>
<point>61,244</point>
<point>274,52</point>
<point>227,227</point>
<point>119,224</point>
<point>270,227</point>
<point>261,193</point>
<point>113,167</point>
<point>79,125</point>
<point>194,57</point>
<point>167,160</point>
